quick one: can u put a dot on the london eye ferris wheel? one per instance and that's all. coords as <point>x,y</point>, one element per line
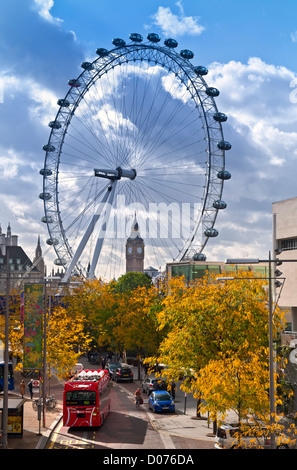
<point>137,132</point>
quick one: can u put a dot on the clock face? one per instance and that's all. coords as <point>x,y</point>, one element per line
<point>130,249</point>
<point>139,249</point>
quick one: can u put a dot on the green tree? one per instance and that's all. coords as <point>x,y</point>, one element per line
<point>130,281</point>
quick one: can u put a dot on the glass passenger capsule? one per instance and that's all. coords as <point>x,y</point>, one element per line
<point>211,232</point>
<point>45,196</point>
<point>52,241</point>
<point>224,175</point>
<point>211,91</point>
<point>135,37</point>
<point>74,82</point>
<point>45,172</point>
<point>153,37</point>
<point>47,219</point>
<point>219,204</point>
<point>54,124</point>
<point>87,65</point>
<point>49,148</point>
<point>187,54</point>
<point>200,70</point>
<point>172,43</point>
<point>59,262</point>
<point>63,103</point>
<point>220,117</point>
<point>224,145</point>
<point>102,52</point>
<point>199,257</point>
<point>118,42</point>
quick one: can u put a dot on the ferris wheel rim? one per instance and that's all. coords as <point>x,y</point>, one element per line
<point>110,59</point>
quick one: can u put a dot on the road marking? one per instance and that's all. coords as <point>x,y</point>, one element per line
<point>55,434</point>
<point>167,441</point>
<point>165,436</point>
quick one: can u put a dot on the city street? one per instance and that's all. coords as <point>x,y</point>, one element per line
<point>129,428</point>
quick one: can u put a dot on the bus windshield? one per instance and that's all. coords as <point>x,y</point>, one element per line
<point>81,398</point>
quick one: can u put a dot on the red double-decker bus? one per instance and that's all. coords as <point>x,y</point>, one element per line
<point>86,400</point>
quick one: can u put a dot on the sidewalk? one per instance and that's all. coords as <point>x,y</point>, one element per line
<point>33,437</point>
<point>34,434</point>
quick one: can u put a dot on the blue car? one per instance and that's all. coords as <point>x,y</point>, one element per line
<point>161,401</point>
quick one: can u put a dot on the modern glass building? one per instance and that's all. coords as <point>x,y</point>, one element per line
<point>192,270</point>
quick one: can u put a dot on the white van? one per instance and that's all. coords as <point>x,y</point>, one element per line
<point>230,437</point>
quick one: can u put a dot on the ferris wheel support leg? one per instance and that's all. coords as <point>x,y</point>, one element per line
<point>80,248</point>
<point>101,233</point>
<point>85,239</point>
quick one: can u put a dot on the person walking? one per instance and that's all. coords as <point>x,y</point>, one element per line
<point>22,388</point>
<point>30,387</point>
<point>173,389</point>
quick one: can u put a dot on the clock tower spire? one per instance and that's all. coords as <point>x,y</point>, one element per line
<point>134,249</point>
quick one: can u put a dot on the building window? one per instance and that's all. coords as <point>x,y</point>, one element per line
<point>288,244</point>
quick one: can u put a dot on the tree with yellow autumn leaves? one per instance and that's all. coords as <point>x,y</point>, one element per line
<point>213,334</point>
<point>66,335</point>
<point>217,339</point>
<point>117,317</point>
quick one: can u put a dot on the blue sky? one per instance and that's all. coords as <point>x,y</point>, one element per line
<point>231,29</point>
<point>250,49</point>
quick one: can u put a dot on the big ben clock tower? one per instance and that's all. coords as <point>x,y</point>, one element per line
<point>134,250</point>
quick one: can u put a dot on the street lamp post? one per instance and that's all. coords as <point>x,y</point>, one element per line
<point>6,358</point>
<point>46,317</point>
<point>271,362</point>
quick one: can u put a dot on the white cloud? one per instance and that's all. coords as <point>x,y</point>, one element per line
<point>43,7</point>
<point>9,163</point>
<point>41,102</point>
<point>177,25</point>
<point>256,98</point>
<point>261,126</point>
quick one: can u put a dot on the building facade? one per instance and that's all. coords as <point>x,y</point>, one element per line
<point>284,215</point>
<point>15,262</point>
<point>192,270</point>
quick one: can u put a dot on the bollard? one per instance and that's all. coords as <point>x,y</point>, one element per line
<point>39,413</point>
<point>185,408</point>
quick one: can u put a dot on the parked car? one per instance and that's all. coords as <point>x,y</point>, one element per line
<point>122,373</point>
<point>94,358</point>
<point>151,383</point>
<point>161,400</point>
<point>227,437</point>
<point>112,366</point>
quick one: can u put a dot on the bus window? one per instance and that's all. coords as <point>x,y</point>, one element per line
<point>80,398</point>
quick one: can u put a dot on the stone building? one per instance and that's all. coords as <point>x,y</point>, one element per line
<point>15,262</point>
